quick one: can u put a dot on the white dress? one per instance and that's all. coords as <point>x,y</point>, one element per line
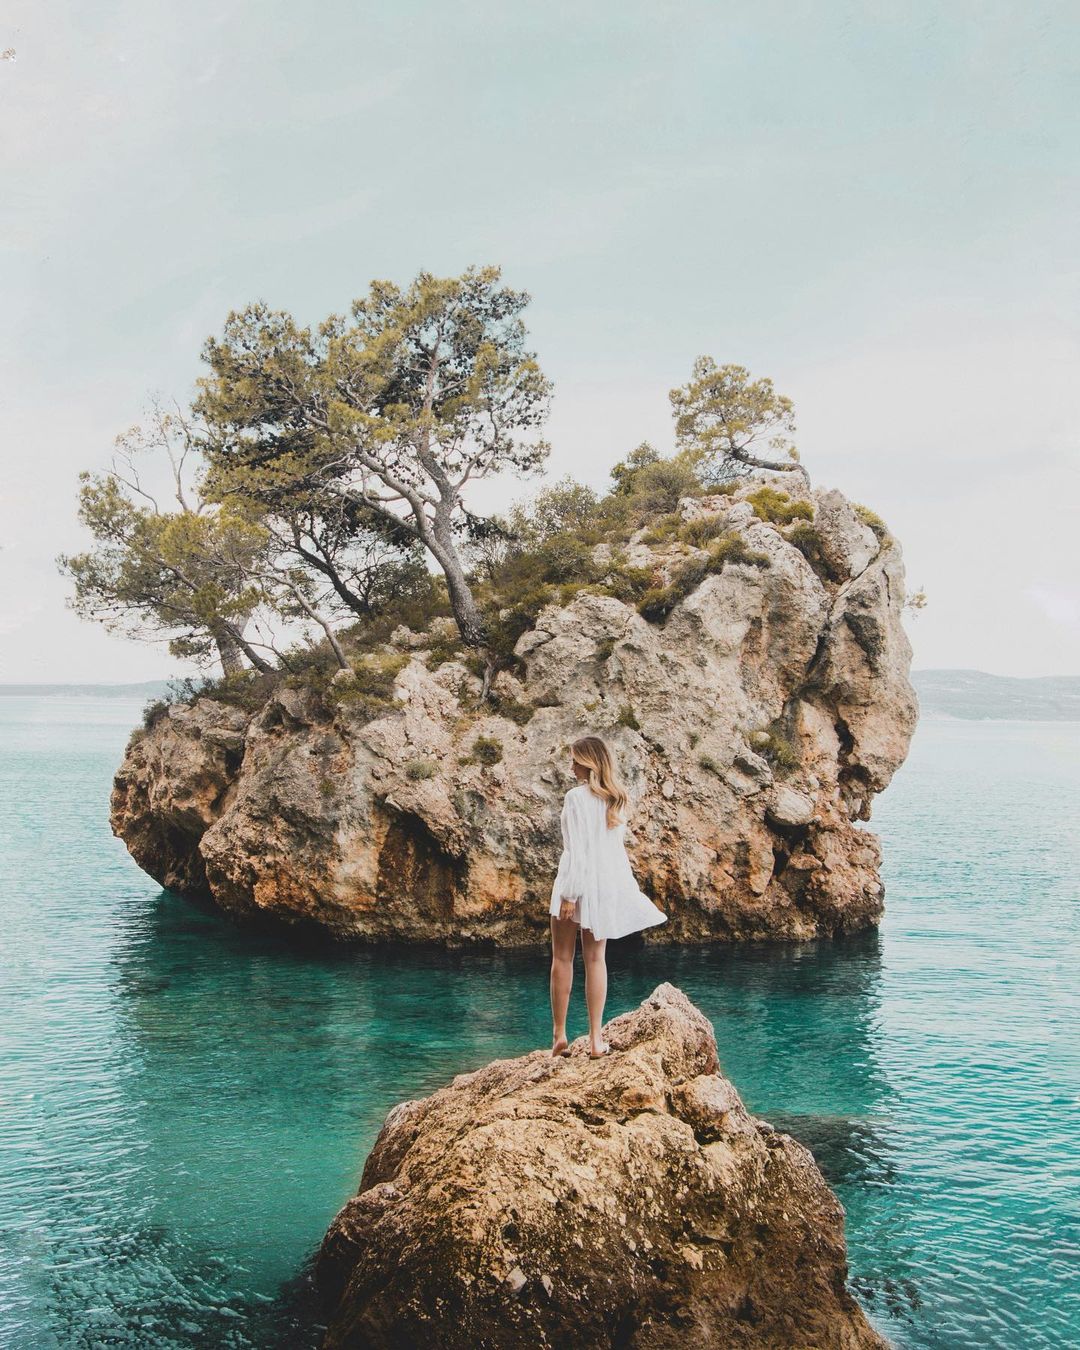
<point>595,870</point>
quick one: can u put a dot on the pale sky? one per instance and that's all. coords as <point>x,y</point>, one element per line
<point>874,203</point>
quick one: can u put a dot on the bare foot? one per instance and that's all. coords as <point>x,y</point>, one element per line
<point>561,1047</point>
<point>598,1052</point>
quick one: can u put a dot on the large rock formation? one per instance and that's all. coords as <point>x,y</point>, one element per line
<point>752,727</point>
<point>626,1201</point>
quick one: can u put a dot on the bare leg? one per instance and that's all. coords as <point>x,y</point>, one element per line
<point>594,952</point>
<point>563,946</point>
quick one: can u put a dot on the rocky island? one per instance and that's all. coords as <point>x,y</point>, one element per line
<point>563,1201</point>
<point>743,653</point>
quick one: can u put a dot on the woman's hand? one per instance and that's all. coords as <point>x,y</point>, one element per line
<point>566,909</point>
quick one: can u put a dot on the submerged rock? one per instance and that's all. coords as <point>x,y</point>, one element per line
<point>753,728</point>
<point>625,1201</point>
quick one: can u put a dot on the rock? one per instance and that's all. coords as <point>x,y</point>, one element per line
<point>169,790</point>
<point>528,642</point>
<point>628,1201</point>
<point>847,544</point>
<point>749,773</point>
<point>788,807</point>
<point>767,687</point>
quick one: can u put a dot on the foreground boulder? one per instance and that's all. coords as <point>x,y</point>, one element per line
<point>754,715</point>
<point>624,1201</point>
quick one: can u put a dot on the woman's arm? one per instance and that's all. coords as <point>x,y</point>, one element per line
<point>576,844</point>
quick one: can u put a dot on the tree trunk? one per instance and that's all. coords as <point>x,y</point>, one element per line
<point>355,602</point>
<point>316,617</point>
<point>466,614</point>
<point>236,634</point>
<point>228,653</point>
<point>491,669</point>
<point>774,466</point>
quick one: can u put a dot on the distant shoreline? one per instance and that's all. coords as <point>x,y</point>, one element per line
<point>959,695</point>
<point>975,695</point>
<point>141,689</point>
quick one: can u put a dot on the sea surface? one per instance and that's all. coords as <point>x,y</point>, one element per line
<point>185,1105</point>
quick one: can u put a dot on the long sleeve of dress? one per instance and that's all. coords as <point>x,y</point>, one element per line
<point>575,833</point>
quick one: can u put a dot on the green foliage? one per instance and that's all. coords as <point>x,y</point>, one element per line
<point>439,366</point>
<point>710,764</point>
<point>474,661</point>
<point>368,692</point>
<point>400,592</point>
<point>777,747</point>
<point>183,574</point>
<point>807,539</point>
<point>200,573</point>
<point>664,530</point>
<point>304,435</point>
<point>394,407</point>
<point>487,750</point>
<point>444,649</point>
<point>659,486</point>
<point>419,769</point>
<point>318,463</point>
<point>604,648</point>
<point>377,671</point>
<point>154,711</point>
<point>513,709</point>
<point>543,553</point>
<point>725,420</point>
<point>657,603</point>
<point>732,548</point>
<point>508,624</point>
<point>564,558</point>
<point>624,473</point>
<point>699,532</point>
<point>247,690</point>
<point>565,508</point>
<point>307,666</point>
<point>628,718</point>
<point>772,504</point>
<point>628,584</point>
<point>872,519</point>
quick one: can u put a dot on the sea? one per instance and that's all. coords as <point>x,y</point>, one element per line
<point>186,1103</point>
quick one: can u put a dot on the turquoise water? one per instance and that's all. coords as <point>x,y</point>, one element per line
<point>183,1107</point>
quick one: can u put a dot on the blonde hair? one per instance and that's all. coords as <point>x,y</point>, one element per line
<point>592,754</point>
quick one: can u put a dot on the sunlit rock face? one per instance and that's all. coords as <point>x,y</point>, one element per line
<point>624,1201</point>
<point>753,728</point>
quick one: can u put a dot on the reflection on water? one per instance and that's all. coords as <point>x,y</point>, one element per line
<point>187,1104</point>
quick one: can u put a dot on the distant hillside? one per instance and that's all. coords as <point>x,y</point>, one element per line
<point>144,689</point>
<point>976,695</point>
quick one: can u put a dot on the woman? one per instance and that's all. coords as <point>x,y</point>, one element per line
<point>594,889</point>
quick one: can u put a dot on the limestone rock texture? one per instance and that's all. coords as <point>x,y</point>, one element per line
<point>753,728</point>
<point>625,1201</point>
